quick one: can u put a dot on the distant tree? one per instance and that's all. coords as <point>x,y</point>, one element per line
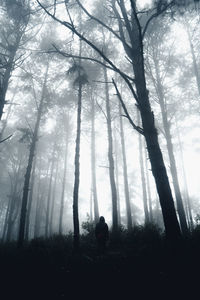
<point>33,143</point>
<point>13,27</point>
<point>80,79</point>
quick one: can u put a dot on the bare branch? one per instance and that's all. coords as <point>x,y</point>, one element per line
<point>156,15</point>
<point>82,37</point>
<point>5,139</point>
<point>139,129</point>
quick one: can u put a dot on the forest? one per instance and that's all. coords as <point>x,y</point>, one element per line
<point>99,116</point>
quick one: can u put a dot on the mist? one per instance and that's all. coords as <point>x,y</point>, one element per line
<point>99,116</point>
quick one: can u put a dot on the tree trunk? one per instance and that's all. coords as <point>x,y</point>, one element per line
<point>194,61</point>
<point>30,202</point>
<point>187,197</point>
<point>110,157</point>
<point>151,136</point>
<point>125,173</point>
<point>172,161</point>
<point>53,201</point>
<point>37,208</point>
<point>148,189</point>
<point>49,193</point>
<point>143,181</point>
<point>29,166</point>
<point>7,74</point>
<point>64,177</point>
<point>77,173</point>
<point>117,177</point>
<point>93,162</point>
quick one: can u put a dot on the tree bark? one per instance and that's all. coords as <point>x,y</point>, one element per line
<point>49,192</point>
<point>77,173</point>
<point>53,201</point>
<point>117,177</point>
<point>30,201</point>
<point>110,157</point>
<point>148,189</point>
<point>151,136</point>
<point>125,173</point>
<point>64,178</point>
<point>93,162</point>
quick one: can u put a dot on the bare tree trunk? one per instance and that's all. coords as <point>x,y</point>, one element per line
<point>117,177</point>
<point>125,173</point>
<point>37,208</point>
<point>172,161</point>
<point>29,166</point>
<point>77,173</point>
<point>30,202</point>
<point>64,177</point>
<point>148,189</point>
<point>143,181</point>
<point>53,201</point>
<point>93,162</point>
<point>110,157</point>
<point>187,197</point>
<point>194,61</point>
<point>49,193</point>
<point>7,74</point>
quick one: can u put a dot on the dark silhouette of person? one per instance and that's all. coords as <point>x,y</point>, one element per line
<point>102,234</point>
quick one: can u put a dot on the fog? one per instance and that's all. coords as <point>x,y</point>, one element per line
<point>46,69</point>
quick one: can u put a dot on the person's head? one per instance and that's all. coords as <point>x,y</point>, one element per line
<point>101,219</point>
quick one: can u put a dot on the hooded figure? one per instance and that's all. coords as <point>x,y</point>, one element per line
<point>101,233</point>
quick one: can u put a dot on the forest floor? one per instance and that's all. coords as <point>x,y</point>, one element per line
<point>137,266</point>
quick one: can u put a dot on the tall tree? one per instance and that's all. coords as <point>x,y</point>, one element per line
<point>17,17</point>
<point>93,161</point>
<point>125,173</point>
<point>67,132</point>
<point>157,80</point>
<point>30,161</point>
<point>131,34</point>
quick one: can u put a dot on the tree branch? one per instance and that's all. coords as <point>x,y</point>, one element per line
<point>139,129</point>
<point>5,139</point>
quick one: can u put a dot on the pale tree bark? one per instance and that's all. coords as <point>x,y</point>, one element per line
<point>187,197</point>
<point>47,223</point>
<point>110,156</point>
<point>125,172</point>
<point>64,177</point>
<point>116,145</point>
<point>93,162</point>
<point>51,223</point>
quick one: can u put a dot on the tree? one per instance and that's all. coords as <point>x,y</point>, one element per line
<point>30,162</point>
<point>125,174</point>
<point>17,17</point>
<point>158,80</point>
<point>80,80</point>
<point>93,161</point>
<point>131,35</point>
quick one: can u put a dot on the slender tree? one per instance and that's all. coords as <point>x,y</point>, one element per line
<point>125,172</point>
<point>30,162</point>
<point>93,161</point>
